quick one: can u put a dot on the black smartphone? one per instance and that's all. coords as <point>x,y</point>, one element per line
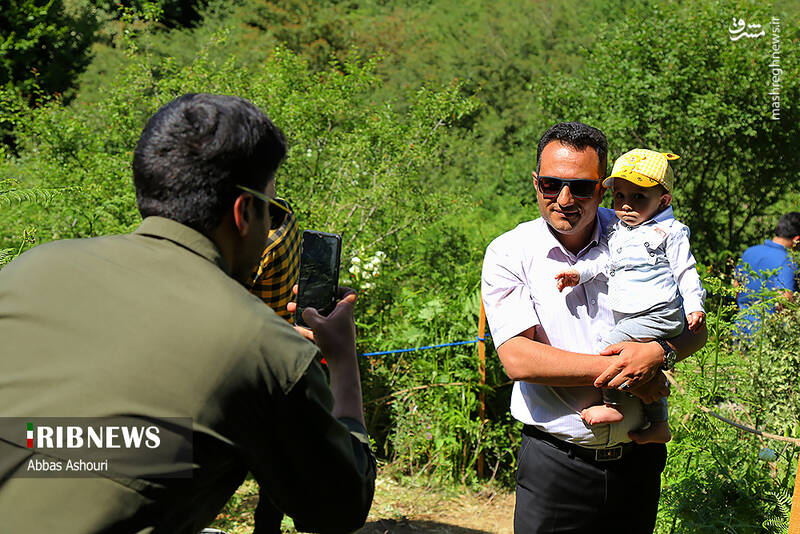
<point>320,254</point>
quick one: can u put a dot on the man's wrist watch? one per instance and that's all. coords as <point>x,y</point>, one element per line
<point>669,355</point>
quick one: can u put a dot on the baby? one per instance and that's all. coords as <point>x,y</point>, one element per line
<point>650,271</point>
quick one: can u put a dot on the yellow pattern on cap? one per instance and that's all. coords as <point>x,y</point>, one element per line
<point>645,168</point>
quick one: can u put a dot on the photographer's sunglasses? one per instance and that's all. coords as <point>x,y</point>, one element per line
<point>550,186</point>
<point>278,208</point>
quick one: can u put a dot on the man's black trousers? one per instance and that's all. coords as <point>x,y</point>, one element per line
<point>558,491</point>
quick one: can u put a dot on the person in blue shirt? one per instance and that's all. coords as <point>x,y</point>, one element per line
<point>767,266</point>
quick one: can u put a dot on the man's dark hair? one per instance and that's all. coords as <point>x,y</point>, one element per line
<point>788,225</point>
<point>578,136</point>
<point>194,152</point>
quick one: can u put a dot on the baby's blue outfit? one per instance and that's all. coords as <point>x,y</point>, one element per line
<point>650,270</point>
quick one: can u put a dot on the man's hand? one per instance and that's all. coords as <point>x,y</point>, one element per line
<point>334,333</point>
<point>632,364</point>
<point>695,320</point>
<point>291,307</point>
<point>568,278</point>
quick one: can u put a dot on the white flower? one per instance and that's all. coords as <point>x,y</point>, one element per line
<point>309,153</point>
<point>355,270</point>
<point>355,260</point>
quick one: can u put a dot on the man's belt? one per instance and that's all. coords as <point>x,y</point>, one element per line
<point>585,453</point>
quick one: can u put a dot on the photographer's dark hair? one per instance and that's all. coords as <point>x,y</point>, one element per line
<point>578,136</point>
<point>788,225</point>
<point>194,152</point>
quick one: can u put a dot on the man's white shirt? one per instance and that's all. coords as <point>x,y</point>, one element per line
<point>519,291</point>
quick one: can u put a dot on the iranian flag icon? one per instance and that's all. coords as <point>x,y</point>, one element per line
<point>30,435</point>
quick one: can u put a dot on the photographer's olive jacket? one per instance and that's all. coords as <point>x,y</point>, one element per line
<point>150,325</point>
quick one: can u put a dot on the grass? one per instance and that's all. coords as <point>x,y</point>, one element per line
<point>402,505</point>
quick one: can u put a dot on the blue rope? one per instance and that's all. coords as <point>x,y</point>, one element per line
<point>398,351</point>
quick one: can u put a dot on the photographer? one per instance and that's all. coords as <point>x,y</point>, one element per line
<point>158,324</point>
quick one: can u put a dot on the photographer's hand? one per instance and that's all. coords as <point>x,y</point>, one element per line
<point>291,307</point>
<point>345,294</point>
<point>335,335</point>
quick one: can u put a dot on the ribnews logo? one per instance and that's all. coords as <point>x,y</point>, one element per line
<point>125,446</point>
<point>76,437</point>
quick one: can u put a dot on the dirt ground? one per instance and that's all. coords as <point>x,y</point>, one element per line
<point>403,509</point>
<point>399,508</point>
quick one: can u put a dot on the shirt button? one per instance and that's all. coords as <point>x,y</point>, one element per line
<point>594,301</point>
<point>619,250</point>
<point>646,244</point>
<point>652,253</point>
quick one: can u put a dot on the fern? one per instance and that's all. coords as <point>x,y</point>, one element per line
<point>778,521</point>
<point>28,237</point>
<point>12,192</point>
<point>6,255</point>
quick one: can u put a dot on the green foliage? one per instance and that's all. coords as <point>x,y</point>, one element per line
<point>773,391</point>
<point>500,49</point>
<point>315,30</point>
<point>43,46</point>
<point>12,107</point>
<point>779,519</point>
<point>426,404</point>
<point>360,163</point>
<point>718,478</point>
<point>252,28</point>
<point>670,78</point>
<point>174,13</point>
<point>12,193</point>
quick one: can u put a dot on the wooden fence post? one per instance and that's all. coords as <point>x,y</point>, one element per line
<point>482,371</point>
<point>794,516</point>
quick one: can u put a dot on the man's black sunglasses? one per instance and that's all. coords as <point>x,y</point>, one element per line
<point>278,208</point>
<point>550,186</point>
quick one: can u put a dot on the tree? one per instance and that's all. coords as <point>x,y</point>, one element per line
<point>352,165</point>
<point>670,78</point>
<point>174,13</point>
<point>43,46</point>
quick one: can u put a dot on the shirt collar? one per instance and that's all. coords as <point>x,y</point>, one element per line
<point>773,244</point>
<point>664,215</point>
<point>188,238</point>
<point>552,242</point>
